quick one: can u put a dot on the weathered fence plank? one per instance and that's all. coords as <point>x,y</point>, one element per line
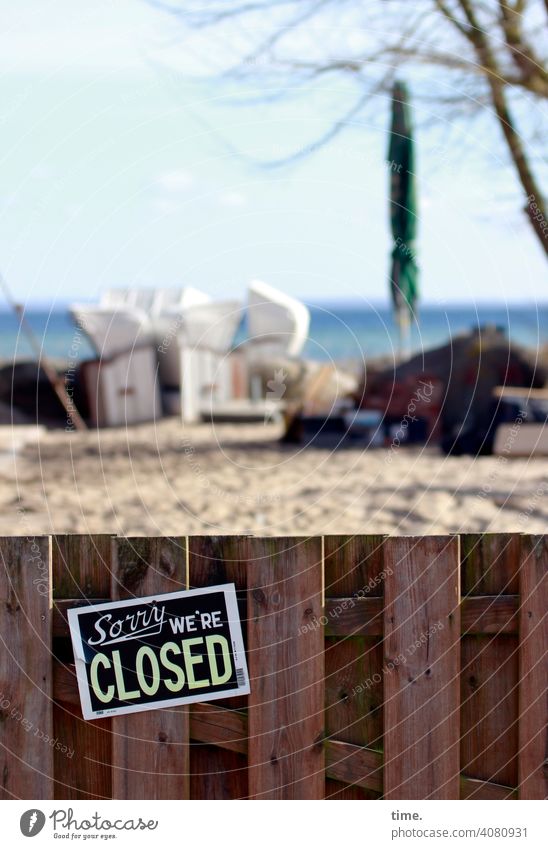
<point>354,575</point>
<point>150,749</point>
<point>26,726</point>
<point>286,667</point>
<point>490,564</point>
<point>533,671</point>
<point>354,765</point>
<point>490,614</point>
<point>216,774</point>
<point>489,664</point>
<point>81,565</point>
<point>81,568</point>
<point>212,724</point>
<point>473,788</point>
<point>421,674</point>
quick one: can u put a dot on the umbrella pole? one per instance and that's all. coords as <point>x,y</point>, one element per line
<point>404,325</point>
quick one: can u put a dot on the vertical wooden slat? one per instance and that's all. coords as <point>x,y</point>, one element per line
<point>286,667</point>
<point>421,672</point>
<point>533,662</point>
<point>489,710</point>
<point>354,569</point>
<point>150,749</point>
<point>489,668</point>
<point>354,566</point>
<point>217,773</point>
<point>81,567</point>
<point>490,564</point>
<point>26,728</point>
<point>212,560</point>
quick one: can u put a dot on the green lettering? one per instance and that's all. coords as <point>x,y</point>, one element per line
<point>190,662</point>
<point>148,689</point>
<point>179,682</point>
<point>123,695</point>
<point>103,696</point>
<point>211,641</point>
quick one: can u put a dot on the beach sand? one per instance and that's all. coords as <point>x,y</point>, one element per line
<point>165,479</point>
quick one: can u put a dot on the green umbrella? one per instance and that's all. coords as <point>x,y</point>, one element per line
<point>403,213</point>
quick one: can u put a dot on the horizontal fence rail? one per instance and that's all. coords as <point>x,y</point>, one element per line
<point>380,667</point>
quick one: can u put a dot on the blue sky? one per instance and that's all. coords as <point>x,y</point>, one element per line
<point>117,169</point>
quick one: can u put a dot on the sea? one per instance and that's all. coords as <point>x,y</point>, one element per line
<point>343,331</point>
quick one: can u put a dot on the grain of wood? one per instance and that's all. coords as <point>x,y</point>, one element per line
<point>212,724</point>
<point>355,572</point>
<point>354,566</point>
<point>218,774</point>
<point>351,617</point>
<point>490,614</point>
<point>489,673</point>
<point>422,661</point>
<point>228,729</point>
<point>489,708</point>
<point>533,670</point>
<point>60,624</point>
<point>216,560</point>
<point>64,684</point>
<point>354,765</point>
<point>337,791</point>
<point>150,749</point>
<point>353,690</point>
<point>81,567</point>
<point>286,666</point>
<point>212,561</point>
<point>26,725</point>
<point>472,788</point>
<point>490,564</point>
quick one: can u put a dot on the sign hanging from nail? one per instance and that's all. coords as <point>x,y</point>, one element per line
<point>159,651</point>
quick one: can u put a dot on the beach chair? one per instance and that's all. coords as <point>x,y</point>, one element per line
<point>277,324</point>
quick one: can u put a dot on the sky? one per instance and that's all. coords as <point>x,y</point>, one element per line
<point>119,166</point>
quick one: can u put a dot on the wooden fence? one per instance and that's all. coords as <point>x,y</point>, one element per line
<point>403,668</point>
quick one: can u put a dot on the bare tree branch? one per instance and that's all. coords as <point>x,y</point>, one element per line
<point>490,50</point>
<point>534,75</point>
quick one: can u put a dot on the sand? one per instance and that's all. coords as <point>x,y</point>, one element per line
<point>165,479</point>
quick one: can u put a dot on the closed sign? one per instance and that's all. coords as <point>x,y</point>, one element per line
<point>148,653</point>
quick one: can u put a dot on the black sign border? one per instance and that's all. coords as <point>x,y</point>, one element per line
<point>235,627</point>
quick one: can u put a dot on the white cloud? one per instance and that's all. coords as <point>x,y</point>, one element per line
<point>232,199</point>
<point>174,182</point>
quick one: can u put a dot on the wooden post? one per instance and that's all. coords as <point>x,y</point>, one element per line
<point>81,566</point>
<point>533,669</point>
<point>219,773</point>
<point>150,749</point>
<point>489,677</point>
<point>286,667</point>
<point>421,668</point>
<point>26,758</point>
<point>354,573</point>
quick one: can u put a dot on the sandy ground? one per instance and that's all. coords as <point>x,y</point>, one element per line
<point>161,479</point>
